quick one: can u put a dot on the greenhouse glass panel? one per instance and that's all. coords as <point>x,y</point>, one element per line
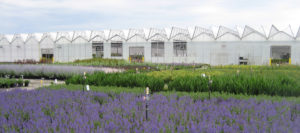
<point>157,49</point>
<point>97,49</point>
<point>116,49</point>
<point>180,49</point>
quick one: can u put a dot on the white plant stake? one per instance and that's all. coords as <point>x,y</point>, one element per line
<point>87,87</point>
<point>84,78</point>
<point>147,99</point>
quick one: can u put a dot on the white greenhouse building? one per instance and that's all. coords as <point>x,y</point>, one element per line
<point>224,46</point>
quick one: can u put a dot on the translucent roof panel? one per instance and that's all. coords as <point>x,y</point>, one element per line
<point>224,31</point>
<point>116,35</point>
<point>38,36</point>
<point>97,36</point>
<point>30,36</point>
<point>250,34</point>
<point>24,36</point>
<point>136,35</point>
<point>48,35</point>
<point>2,36</point>
<point>136,32</point>
<point>47,40</point>
<point>80,35</point>
<point>9,37</point>
<point>179,34</point>
<point>17,38</point>
<point>157,35</point>
<point>63,35</point>
<point>3,40</point>
<point>203,34</point>
<point>280,35</point>
<point>298,34</point>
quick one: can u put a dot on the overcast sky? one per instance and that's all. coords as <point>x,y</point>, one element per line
<point>31,16</point>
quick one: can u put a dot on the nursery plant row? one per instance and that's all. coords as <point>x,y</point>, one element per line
<point>250,84</point>
<point>9,83</point>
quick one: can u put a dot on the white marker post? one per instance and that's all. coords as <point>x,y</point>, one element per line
<point>87,87</point>
<point>147,99</point>
<point>55,81</point>
<point>84,78</point>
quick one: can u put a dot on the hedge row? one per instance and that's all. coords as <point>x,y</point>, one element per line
<point>118,79</point>
<point>243,83</point>
<point>238,84</point>
<point>9,83</point>
<point>35,75</point>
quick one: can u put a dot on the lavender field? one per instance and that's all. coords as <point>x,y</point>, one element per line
<point>74,111</point>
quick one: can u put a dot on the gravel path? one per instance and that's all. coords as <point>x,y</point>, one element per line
<point>56,68</point>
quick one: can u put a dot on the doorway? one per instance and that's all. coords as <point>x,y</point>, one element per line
<point>47,56</point>
<point>136,54</point>
<point>280,54</point>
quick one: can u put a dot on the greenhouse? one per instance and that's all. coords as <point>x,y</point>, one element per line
<point>222,46</point>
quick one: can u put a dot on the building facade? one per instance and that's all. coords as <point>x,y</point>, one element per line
<point>175,45</point>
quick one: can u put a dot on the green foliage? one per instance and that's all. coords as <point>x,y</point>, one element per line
<point>26,83</point>
<point>118,79</point>
<point>8,83</point>
<point>243,83</point>
<point>35,75</point>
<point>279,61</point>
<point>189,84</point>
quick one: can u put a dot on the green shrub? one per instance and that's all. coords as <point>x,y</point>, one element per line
<point>251,84</point>
<point>8,83</point>
<point>118,79</point>
<point>36,75</point>
<point>20,82</point>
<point>26,83</point>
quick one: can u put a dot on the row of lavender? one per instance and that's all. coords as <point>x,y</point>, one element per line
<point>76,111</point>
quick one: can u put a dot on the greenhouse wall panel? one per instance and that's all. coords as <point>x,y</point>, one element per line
<point>18,50</point>
<point>171,45</point>
<point>32,49</point>
<point>5,51</point>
